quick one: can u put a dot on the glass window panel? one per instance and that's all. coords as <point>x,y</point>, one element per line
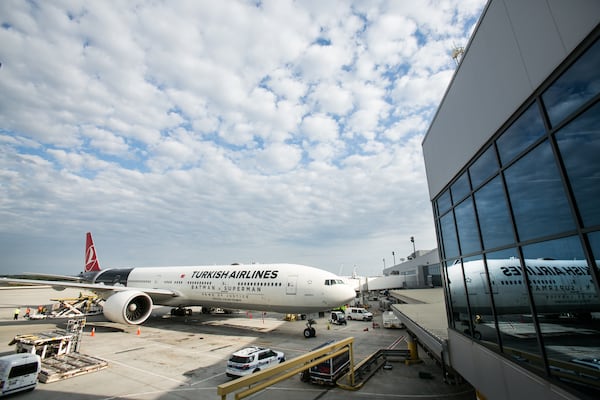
<point>494,218</point>
<point>513,310</point>
<point>468,234</point>
<point>450,244</point>
<point>460,188</point>
<point>575,86</point>
<point>444,202</point>
<point>594,238</point>
<point>484,167</point>
<point>566,302</point>
<point>458,297</point>
<point>579,144</point>
<point>483,326</point>
<point>521,134</point>
<point>537,195</point>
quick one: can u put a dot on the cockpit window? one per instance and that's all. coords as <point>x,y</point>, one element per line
<point>329,282</point>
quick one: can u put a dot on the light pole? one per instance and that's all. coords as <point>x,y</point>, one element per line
<point>412,239</point>
<point>384,263</point>
<point>394,255</point>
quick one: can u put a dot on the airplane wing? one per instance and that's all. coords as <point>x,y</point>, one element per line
<point>157,295</point>
<point>54,277</point>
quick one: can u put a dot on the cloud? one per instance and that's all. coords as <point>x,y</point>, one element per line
<point>319,128</point>
<point>332,99</point>
<point>211,132</point>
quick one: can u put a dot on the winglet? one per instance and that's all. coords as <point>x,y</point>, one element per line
<point>91,261</point>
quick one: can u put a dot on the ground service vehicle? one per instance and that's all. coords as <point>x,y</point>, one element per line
<point>358,313</point>
<point>390,320</point>
<point>18,372</point>
<point>329,371</point>
<point>252,359</point>
<point>338,318</point>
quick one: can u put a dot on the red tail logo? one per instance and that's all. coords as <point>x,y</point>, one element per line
<point>91,261</point>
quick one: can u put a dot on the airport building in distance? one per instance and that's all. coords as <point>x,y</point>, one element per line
<point>513,166</point>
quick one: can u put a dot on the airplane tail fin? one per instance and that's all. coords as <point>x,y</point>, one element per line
<point>91,261</point>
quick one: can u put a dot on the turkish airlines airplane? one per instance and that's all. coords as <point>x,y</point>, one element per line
<point>558,286</point>
<point>130,293</point>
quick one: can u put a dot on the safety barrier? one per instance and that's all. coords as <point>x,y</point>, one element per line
<point>287,369</point>
<point>360,374</point>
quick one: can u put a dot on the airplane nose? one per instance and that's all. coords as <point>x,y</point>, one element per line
<point>349,294</point>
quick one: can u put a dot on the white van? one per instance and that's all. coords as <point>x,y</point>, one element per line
<point>358,313</point>
<point>19,372</point>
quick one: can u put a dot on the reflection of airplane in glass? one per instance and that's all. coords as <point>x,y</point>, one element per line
<point>558,286</point>
<point>130,293</point>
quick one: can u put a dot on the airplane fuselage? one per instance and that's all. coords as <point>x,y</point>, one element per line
<point>288,288</point>
<point>558,286</point>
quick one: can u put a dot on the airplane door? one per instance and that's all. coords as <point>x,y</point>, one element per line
<point>292,284</point>
<point>484,283</point>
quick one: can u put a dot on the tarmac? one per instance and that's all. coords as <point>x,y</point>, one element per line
<point>171,358</point>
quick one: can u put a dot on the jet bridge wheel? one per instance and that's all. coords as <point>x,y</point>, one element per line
<point>310,331</point>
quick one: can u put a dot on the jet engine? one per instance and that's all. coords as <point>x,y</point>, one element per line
<point>128,307</point>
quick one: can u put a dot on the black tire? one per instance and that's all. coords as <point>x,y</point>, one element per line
<point>313,332</point>
<point>305,376</point>
<point>307,333</point>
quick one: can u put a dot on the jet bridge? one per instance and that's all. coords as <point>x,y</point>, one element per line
<point>423,313</point>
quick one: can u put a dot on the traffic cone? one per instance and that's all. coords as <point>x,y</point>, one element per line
<point>139,331</point>
<point>93,332</point>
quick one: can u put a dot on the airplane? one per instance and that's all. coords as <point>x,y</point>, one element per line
<point>130,293</point>
<point>558,286</point>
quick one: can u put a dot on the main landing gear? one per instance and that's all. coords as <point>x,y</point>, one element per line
<point>181,311</point>
<point>310,331</point>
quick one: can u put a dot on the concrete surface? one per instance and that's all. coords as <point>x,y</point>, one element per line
<point>184,357</point>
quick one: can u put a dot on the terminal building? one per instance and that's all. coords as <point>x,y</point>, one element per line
<point>513,167</point>
<point>420,270</point>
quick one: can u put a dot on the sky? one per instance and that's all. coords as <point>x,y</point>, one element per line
<point>214,132</point>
